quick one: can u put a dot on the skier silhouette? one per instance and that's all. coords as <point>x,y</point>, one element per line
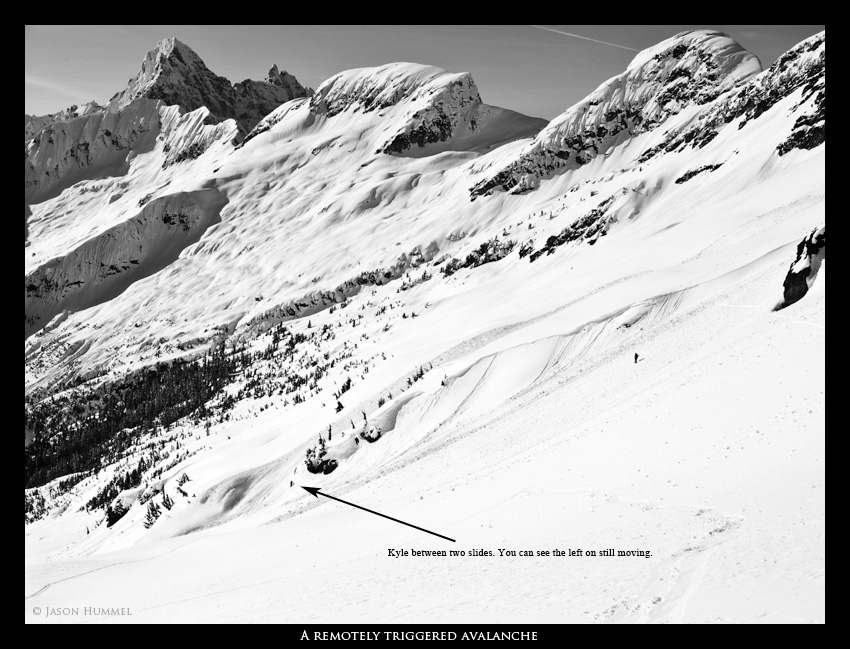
<point>636,357</point>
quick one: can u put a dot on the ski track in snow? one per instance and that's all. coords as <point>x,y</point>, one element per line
<point>41,590</point>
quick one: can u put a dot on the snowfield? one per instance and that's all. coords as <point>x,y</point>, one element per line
<point>500,404</point>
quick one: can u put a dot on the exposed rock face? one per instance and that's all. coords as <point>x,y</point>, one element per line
<point>440,118</point>
<point>176,75</point>
<point>691,68</point>
<point>107,264</point>
<point>811,252</point>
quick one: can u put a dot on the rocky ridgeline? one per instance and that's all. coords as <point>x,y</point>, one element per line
<point>692,68</point>
<point>801,67</point>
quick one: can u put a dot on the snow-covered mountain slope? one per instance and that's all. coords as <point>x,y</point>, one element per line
<point>334,311</point>
<point>443,110</point>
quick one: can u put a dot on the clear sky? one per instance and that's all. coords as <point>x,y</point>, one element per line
<point>531,69</point>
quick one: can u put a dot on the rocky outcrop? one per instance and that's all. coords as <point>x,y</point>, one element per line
<point>811,253</point>
<point>691,68</point>
<point>695,172</point>
<point>439,119</point>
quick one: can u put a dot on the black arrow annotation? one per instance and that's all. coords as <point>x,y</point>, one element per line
<point>315,491</point>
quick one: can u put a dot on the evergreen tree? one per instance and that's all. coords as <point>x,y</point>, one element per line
<point>167,501</point>
<point>152,514</point>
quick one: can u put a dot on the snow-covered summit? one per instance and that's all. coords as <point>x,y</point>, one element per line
<point>424,105</point>
<point>370,89</point>
<point>691,68</point>
<point>728,54</point>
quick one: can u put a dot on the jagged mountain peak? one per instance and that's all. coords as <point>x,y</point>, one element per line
<point>276,77</point>
<point>174,73</point>
<point>170,58</point>
<point>169,45</point>
<point>173,51</point>
<point>171,74</point>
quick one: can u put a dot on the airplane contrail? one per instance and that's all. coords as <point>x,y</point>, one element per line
<point>549,29</point>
